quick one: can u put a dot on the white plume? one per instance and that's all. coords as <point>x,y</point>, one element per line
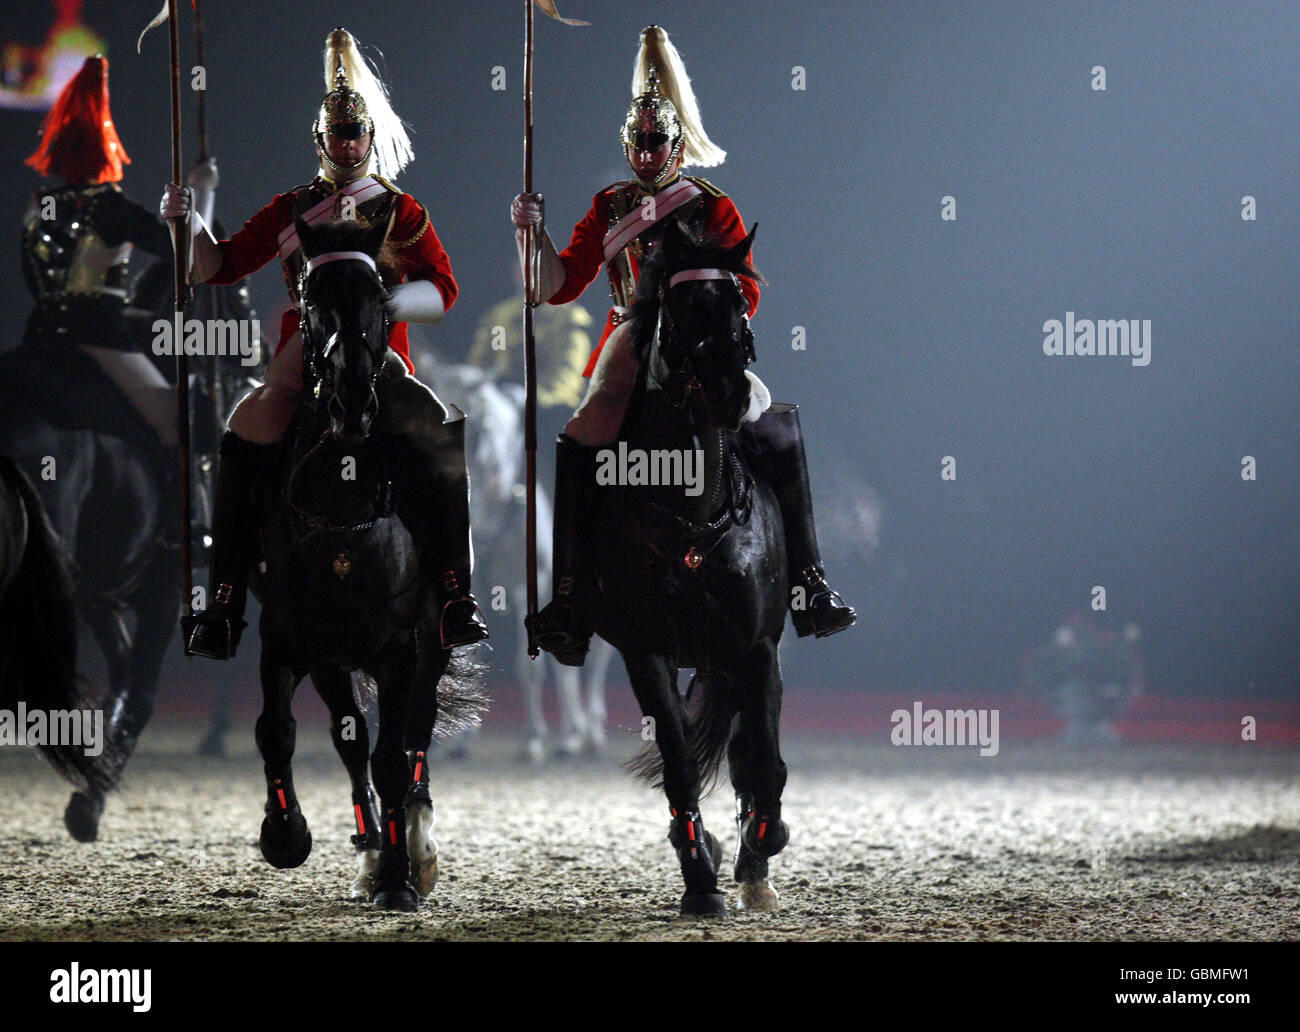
<point>392,146</point>
<point>657,50</point>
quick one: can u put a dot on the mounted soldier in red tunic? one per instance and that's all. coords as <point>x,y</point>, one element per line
<point>356,130</point>
<point>661,134</point>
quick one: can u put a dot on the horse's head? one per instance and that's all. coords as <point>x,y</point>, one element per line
<point>344,320</point>
<point>691,325</point>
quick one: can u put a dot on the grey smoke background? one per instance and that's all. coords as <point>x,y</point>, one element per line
<point>923,337</point>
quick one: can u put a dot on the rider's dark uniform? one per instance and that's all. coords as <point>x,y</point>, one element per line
<point>75,264</point>
<point>76,244</point>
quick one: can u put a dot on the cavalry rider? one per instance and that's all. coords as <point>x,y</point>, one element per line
<point>355,130</point>
<point>661,134</point>
<point>77,243</point>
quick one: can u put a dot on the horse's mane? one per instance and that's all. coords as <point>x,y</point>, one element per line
<point>694,251</point>
<point>349,235</point>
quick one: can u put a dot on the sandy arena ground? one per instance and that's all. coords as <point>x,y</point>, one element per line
<point>1133,843</point>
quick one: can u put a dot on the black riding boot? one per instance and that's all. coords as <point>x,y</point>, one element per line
<point>564,628</point>
<point>774,445</point>
<point>215,632</point>
<point>433,502</point>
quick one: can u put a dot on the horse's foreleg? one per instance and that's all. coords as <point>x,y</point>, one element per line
<point>758,775</point>
<point>285,838</point>
<point>654,681</point>
<point>134,666</point>
<point>351,740</point>
<point>84,809</point>
<point>394,674</point>
<point>421,716</point>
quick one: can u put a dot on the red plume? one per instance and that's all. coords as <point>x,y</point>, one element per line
<point>79,142</point>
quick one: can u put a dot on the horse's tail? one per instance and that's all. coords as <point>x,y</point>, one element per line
<point>710,715</point>
<point>38,639</point>
<point>462,700</point>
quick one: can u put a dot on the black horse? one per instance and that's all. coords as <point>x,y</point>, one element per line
<point>110,491</point>
<point>699,580</point>
<point>341,589</point>
<point>100,473</point>
<point>38,630</point>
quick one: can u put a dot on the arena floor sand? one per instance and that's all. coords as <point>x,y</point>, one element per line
<point>1130,843</point>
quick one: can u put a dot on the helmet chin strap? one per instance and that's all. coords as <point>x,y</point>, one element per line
<point>344,173</point>
<point>671,166</point>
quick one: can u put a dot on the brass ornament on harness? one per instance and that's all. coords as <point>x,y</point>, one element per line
<point>342,565</point>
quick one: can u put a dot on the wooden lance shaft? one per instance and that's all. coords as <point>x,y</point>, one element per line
<point>180,247</point>
<point>530,346</point>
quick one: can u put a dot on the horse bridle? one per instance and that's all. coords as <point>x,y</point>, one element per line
<point>679,396</point>
<point>313,358</point>
<point>314,352</point>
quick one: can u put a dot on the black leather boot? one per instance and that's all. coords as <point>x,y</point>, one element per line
<point>215,632</point>
<point>774,446</point>
<point>433,502</point>
<point>564,627</point>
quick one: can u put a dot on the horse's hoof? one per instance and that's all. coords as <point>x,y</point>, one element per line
<point>213,746</point>
<point>533,752</point>
<point>704,904</point>
<point>422,847</point>
<point>285,842</point>
<point>403,899</point>
<point>363,887</point>
<point>82,816</point>
<point>759,896</point>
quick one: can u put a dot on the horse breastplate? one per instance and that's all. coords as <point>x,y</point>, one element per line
<point>376,209</point>
<point>65,254</point>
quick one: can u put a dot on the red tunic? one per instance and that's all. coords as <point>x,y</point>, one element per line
<point>420,259</point>
<point>585,255</point>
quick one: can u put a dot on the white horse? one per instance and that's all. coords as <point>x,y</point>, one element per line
<point>494,451</point>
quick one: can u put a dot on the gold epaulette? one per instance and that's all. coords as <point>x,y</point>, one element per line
<point>386,184</point>
<point>424,228</point>
<point>706,186</point>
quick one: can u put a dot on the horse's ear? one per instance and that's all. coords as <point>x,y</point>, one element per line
<point>676,241</point>
<point>306,235</point>
<point>740,251</point>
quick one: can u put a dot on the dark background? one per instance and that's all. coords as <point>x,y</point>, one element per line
<point>924,337</point>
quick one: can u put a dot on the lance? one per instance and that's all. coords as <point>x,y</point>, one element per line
<point>530,346</point>
<point>531,271</point>
<point>214,385</point>
<point>180,240</point>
